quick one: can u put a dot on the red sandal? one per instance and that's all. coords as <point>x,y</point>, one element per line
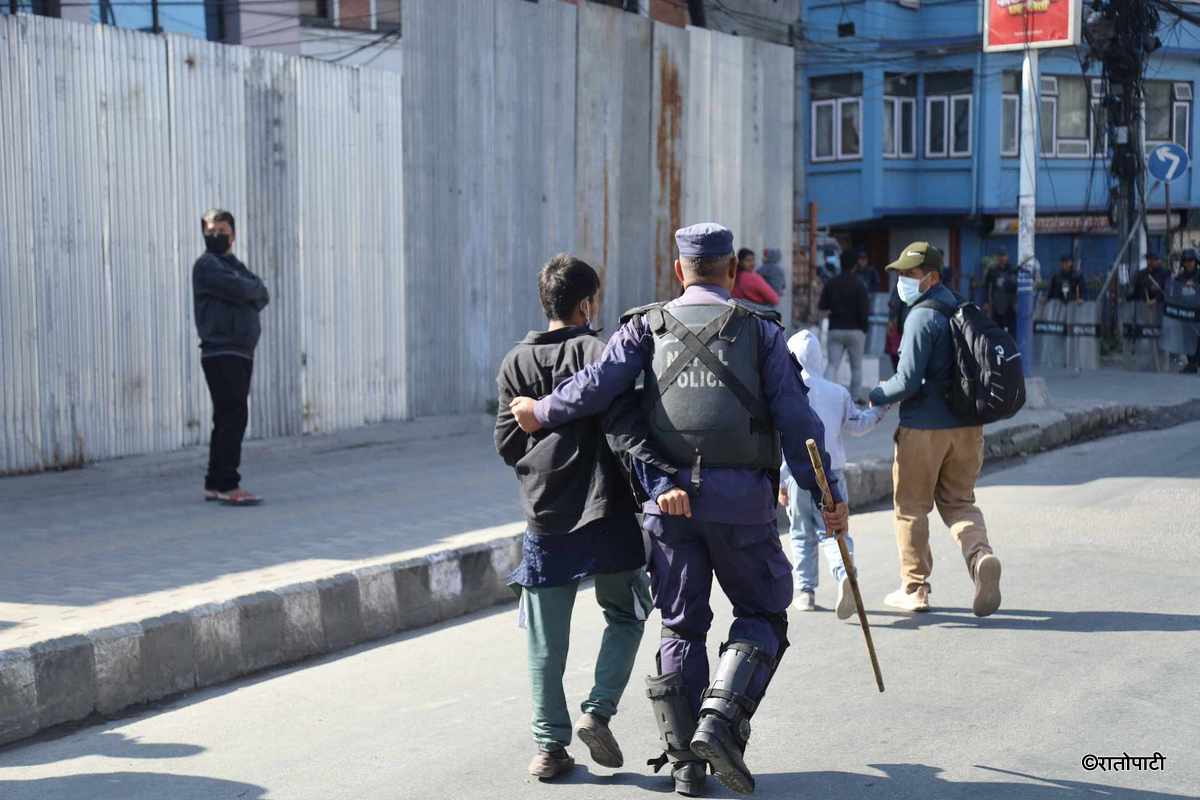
<point>238,497</point>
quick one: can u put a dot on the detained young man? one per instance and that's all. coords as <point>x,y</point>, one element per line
<point>581,524</point>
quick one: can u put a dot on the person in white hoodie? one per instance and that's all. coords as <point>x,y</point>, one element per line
<point>839,414</point>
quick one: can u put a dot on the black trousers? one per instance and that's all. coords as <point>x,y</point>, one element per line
<point>1007,320</point>
<point>229,385</point>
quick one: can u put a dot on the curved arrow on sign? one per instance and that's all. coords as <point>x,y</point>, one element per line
<point>1165,154</point>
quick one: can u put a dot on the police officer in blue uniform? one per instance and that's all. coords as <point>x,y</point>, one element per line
<point>722,396</point>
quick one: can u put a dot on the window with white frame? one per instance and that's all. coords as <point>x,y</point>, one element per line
<point>948,118</point>
<point>836,118</point>
<point>1168,107</point>
<point>369,15</point>
<point>1070,122</point>
<point>1010,114</point>
<point>900,116</point>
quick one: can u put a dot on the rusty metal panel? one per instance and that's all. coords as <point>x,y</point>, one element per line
<point>739,161</point>
<point>669,63</point>
<point>614,223</point>
<point>489,144</point>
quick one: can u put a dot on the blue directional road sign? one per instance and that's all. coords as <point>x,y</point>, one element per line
<point>1167,162</point>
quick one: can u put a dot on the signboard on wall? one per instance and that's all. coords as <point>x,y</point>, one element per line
<point>1017,24</point>
<point>1093,223</point>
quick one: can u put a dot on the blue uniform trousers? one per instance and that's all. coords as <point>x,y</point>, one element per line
<point>754,573</point>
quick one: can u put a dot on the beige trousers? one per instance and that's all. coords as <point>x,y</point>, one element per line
<point>936,467</point>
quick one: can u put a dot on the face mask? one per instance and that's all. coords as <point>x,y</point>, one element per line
<point>217,243</point>
<point>909,289</point>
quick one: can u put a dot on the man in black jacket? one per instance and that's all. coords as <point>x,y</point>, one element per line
<point>228,298</point>
<point>581,521</point>
<point>849,306</point>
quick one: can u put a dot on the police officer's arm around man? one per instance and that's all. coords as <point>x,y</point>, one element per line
<point>227,300</point>
<point>938,455</point>
<point>722,391</point>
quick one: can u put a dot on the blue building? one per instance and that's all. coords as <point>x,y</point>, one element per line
<point>913,134</point>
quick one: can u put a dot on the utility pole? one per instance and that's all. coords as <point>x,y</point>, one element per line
<point>1027,207</point>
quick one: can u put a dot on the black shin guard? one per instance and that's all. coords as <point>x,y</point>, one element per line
<point>724,727</point>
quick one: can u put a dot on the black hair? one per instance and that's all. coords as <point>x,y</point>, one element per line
<point>215,215</point>
<point>704,268</point>
<point>564,283</point>
<point>745,251</point>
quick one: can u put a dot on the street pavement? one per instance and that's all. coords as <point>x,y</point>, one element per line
<point>1095,651</point>
<point>128,539</point>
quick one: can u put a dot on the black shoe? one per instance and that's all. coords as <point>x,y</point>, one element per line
<point>690,777</point>
<point>715,743</point>
<point>1190,369</point>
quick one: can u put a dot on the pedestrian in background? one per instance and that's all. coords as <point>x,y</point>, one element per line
<point>227,299</point>
<point>866,273</point>
<point>849,307</point>
<point>1150,283</point>
<point>839,415</point>
<point>771,271</point>
<point>751,286</point>
<point>1183,292</point>
<point>1067,284</point>
<point>937,459</point>
<point>1000,291</point>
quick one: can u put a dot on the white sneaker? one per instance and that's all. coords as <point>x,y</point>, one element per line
<point>804,601</point>
<point>916,601</point>
<point>845,603</point>
<point>987,585</point>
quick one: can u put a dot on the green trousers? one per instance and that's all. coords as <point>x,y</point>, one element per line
<point>548,625</point>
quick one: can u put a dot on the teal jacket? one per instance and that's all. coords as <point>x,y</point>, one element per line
<point>925,369</point>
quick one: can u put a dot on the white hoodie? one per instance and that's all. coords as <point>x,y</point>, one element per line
<point>831,401</point>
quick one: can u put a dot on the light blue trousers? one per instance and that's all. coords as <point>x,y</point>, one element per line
<point>808,532</point>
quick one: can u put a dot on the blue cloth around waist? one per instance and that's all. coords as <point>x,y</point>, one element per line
<point>612,544</point>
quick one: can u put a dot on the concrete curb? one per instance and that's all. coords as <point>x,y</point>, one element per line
<point>109,670</point>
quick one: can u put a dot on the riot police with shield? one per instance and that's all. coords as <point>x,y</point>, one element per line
<point>722,396</point>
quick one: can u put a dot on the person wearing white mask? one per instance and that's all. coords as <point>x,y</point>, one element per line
<point>839,415</point>
<point>938,458</point>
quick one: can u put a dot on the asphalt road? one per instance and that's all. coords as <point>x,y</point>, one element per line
<point>1096,650</point>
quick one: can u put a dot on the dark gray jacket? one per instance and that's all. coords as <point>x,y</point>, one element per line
<point>569,476</point>
<point>227,299</point>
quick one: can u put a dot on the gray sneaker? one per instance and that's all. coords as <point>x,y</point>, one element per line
<point>549,764</point>
<point>805,601</point>
<point>594,732</point>
<point>987,585</point>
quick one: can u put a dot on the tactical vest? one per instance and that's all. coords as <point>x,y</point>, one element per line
<point>703,397</point>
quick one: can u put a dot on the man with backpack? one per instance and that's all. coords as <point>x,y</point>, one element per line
<point>939,444</point>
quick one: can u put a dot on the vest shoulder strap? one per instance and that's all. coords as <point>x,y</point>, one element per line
<point>640,311</point>
<point>762,312</point>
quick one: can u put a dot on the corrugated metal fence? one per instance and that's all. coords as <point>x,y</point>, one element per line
<point>534,128</point>
<point>114,142</point>
<point>398,220</point>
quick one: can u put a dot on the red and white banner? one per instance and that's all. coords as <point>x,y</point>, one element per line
<point>1017,24</point>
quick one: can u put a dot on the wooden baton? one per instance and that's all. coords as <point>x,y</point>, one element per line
<point>814,455</point>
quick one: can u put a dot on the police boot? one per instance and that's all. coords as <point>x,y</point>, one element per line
<point>676,725</point>
<point>724,727</point>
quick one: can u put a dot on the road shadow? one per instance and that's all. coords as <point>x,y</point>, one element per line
<point>129,786</point>
<point>923,782</point>
<point>1058,621</point>
<point>110,744</point>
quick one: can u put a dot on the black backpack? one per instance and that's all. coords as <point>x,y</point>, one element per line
<point>989,380</point>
